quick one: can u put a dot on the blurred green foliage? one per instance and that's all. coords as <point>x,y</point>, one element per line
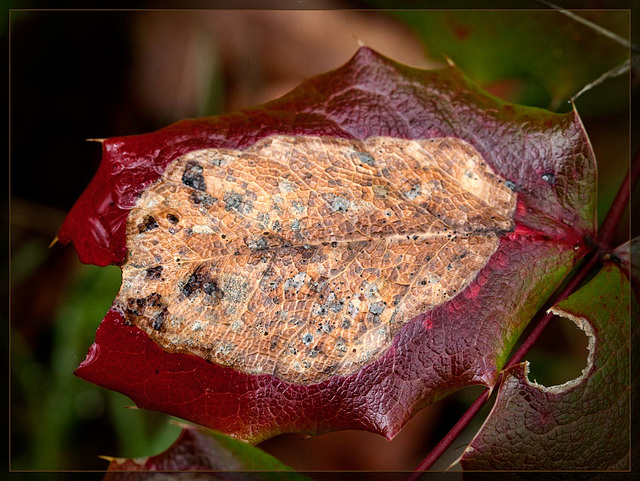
<point>58,409</point>
<point>538,58</point>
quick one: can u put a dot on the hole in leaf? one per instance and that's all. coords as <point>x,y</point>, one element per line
<point>560,354</point>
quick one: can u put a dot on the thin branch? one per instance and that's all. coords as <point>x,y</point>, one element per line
<point>620,203</point>
<point>451,436</point>
<point>569,289</point>
<point>614,72</point>
<point>594,26</point>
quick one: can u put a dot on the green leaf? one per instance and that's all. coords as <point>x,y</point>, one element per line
<point>203,450</point>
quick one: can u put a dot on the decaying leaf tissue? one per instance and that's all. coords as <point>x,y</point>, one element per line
<point>302,256</point>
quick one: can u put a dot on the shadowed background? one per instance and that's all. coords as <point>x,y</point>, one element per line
<point>79,75</point>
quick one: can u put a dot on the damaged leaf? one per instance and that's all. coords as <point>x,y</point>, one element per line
<point>337,258</point>
<point>302,257</point>
<point>583,424</point>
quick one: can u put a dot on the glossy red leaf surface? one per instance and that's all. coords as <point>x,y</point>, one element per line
<point>545,158</point>
<point>585,423</point>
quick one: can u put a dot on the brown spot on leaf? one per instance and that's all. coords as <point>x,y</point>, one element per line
<point>200,282</point>
<point>148,223</point>
<point>154,272</point>
<point>201,198</point>
<point>158,321</point>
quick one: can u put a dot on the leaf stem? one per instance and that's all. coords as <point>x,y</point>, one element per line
<point>607,232</point>
<point>451,436</point>
<point>571,286</point>
<point>620,203</point>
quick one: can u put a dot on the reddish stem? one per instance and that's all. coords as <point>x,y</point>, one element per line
<point>620,203</point>
<point>451,436</point>
<point>605,237</point>
<point>571,286</point>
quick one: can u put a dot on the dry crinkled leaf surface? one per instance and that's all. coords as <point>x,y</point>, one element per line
<point>334,259</point>
<point>583,424</point>
<point>302,257</point>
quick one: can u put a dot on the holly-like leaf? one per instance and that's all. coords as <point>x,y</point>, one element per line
<point>205,455</point>
<point>583,424</point>
<point>334,259</point>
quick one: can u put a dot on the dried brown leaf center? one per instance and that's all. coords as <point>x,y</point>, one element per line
<point>302,257</point>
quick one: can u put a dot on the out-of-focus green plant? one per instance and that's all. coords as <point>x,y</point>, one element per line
<point>58,404</point>
<point>538,58</point>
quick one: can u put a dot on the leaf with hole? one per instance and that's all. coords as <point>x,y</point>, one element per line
<point>583,424</point>
<point>337,258</point>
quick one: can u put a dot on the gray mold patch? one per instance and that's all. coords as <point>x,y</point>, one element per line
<point>366,158</point>
<point>337,203</point>
<point>512,185</point>
<point>414,192</point>
<point>257,244</point>
<point>237,202</point>
<point>235,289</point>
<point>549,177</point>
<point>377,308</point>
<point>202,198</point>
<point>296,282</point>
<point>297,208</point>
<point>192,176</point>
<point>331,304</point>
<point>286,186</point>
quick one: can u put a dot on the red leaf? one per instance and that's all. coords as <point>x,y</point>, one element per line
<point>545,158</point>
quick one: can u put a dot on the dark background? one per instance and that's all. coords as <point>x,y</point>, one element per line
<point>77,75</point>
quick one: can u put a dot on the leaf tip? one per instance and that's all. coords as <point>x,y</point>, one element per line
<point>450,62</point>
